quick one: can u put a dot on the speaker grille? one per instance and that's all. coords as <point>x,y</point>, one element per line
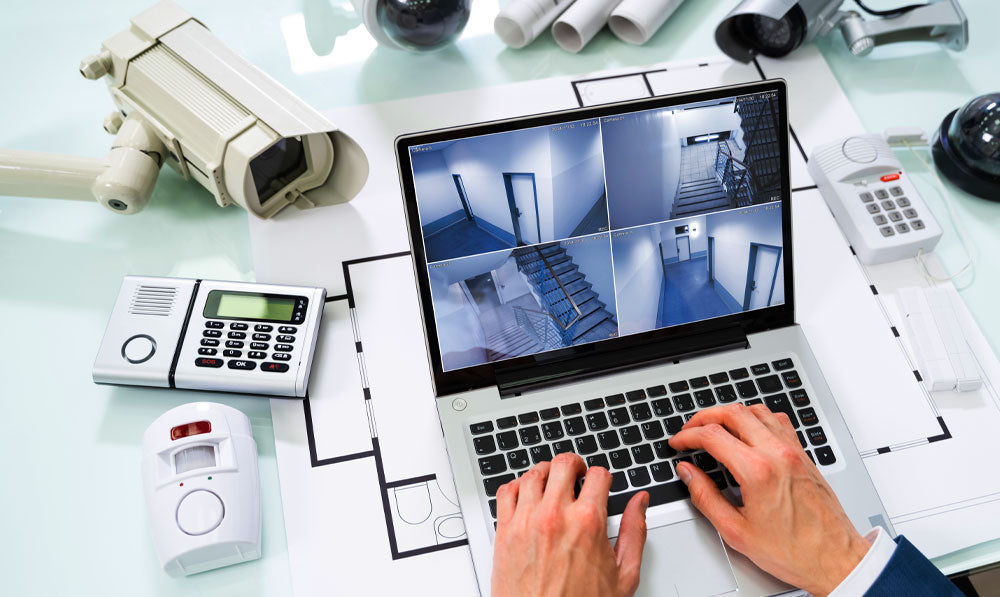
<point>153,300</point>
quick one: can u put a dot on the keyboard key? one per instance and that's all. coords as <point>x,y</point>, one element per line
<point>571,409</point>
<point>548,414</point>
<point>802,439</point>
<point>597,422</point>
<point>656,391</point>
<point>256,354</point>
<point>658,494</point>
<point>903,202</point>
<point>552,431</point>
<point>824,454</point>
<point>619,482</point>
<point>214,324</point>
<point>631,435</point>
<point>287,329</point>
<point>506,422</point>
<point>688,417</point>
<point>620,459</point>
<point>641,412</point>
<point>881,194</point>
<point>562,447</point>
<point>286,339</point>
<point>642,454</point>
<point>679,386</point>
<point>760,369</point>
<point>686,458</point>
<point>518,459</point>
<point>540,454</point>
<point>661,471</point>
<point>725,394</point>
<point>747,389</point>
<point>492,465</point>
<point>595,404</point>
<point>799,398</point>
<point>791,379</point>
<point>816,436</point>
<point>208,362</point>
<point>769,384</point>
<point>704,398</point>
<point>614,399</point>
<point>740,373</point>
<point>598,460</point>
<point>638,476</point>
<point>480,428</point>
<point>754,401</point>
<point>674,425</point>
<point>234,344</point>
<point>721,377</point>
<point>608,440</point>
<point>780,403</point>
<point>262,337</point>
<point>917,224</point>
<point>283,347</point>
<point>719,478</point>
<point>731,479</point>
<point>663,450</point>
<point>485,445</point>
<point>493,508</point>
<point>262,327</point>
<point>281,356</point>
<point>782,364</point>
<point>699,382</point>
<point>530,435</point>
<point>207,351</point>
<point>705,461</point>
<point>507,440</point>
<point>866,197</point>
<point>527,418</point>
<point>684,402</point>
<point>652,430</point>
<point>493,483</point>
<point>586,445</point>
<point>575,426</point>
<point>211,333</point>
<point>209,342</point>
<point>619,417</point>
<point>242,365</point>
<point>808,416</point>
<point>663,407</point>
<point>635,395</point>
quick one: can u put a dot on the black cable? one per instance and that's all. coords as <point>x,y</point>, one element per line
<point>895,12</point>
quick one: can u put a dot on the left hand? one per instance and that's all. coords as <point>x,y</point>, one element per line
<point>549,543</point>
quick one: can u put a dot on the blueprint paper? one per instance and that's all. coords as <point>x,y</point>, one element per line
<point>366,488</point>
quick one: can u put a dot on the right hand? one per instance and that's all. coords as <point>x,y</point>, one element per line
<point>791,523</point>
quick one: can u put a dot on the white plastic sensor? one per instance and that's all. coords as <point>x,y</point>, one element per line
<point>942,353</point>
<point>202,488</point>
<point>186,99</point>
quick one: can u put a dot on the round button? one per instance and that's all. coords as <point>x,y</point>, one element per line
<point>459,404</point>
<point>200,512</point>
<point>138,348</point>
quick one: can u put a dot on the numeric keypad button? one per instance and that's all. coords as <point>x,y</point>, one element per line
<point>238,325</point>
<point>256,354</point>
<point>209,342</point>
<point>237,335</point>
<point>261,337</point>
<point>258,345</point>
<point>214,325</point>
<point>262,327</point>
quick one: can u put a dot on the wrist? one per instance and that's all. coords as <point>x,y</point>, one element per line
<point>841,563</point>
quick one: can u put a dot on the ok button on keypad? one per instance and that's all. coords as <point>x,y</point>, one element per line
<point>241,364</point>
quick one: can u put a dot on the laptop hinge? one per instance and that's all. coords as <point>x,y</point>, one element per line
<point>513,381</point>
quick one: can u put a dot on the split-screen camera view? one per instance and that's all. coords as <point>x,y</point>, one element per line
<point>545,238</point>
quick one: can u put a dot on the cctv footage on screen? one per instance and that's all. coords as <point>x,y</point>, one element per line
<point>544,238</point>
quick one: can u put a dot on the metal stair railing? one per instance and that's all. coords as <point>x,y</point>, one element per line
<point>736,178</point>
<point>565,329</point>
<point>539,326</point>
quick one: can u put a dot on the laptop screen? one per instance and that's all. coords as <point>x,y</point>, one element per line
<point>539,239</point>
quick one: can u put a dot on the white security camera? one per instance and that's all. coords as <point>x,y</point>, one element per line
<point>414,25</point>
<point>186,99</point>
<point>776,27</point>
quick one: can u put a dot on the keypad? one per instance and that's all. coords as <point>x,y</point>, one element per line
<point>891,211</point>
<point>260,347</point>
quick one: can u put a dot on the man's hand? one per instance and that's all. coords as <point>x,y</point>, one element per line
<point>550,544</point>
<point>791,524</point>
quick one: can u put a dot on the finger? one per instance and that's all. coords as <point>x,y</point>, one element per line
<point>564,470</point>
<point>533,484</point>
<point>707,498</point>
<point>596,486</point>
<point>631,541</point>
<point>718,442</point>
<point>777,423</point>
<point>737,419</point>
<point>506,502</point>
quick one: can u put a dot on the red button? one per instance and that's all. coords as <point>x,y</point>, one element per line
<point>890,177</point>
<point>203,362</point>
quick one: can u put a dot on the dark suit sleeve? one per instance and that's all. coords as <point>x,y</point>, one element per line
<point>910,574</point>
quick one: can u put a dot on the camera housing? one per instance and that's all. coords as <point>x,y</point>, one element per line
<point>414,25</point>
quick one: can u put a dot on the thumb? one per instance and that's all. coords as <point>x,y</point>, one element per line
<point>631,541</point>
<point>707,498</point>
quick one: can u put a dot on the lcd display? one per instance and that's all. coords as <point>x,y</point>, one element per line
<point>254,306</point>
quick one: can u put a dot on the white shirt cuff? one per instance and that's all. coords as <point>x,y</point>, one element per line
<point>870,567</point>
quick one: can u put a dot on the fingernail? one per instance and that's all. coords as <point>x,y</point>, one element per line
<point>684,474</point>
<point>645,500</point>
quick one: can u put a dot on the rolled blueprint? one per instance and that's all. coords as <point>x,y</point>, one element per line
<point>635,21</point>
<point>521,21</point>
<point>581,22</point>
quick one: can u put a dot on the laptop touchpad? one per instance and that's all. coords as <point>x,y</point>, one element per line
<point>686,559</point>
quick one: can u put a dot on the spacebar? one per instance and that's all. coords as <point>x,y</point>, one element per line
<point>658,494</point>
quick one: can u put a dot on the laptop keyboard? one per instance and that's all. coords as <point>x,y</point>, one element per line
<point>627,433</point>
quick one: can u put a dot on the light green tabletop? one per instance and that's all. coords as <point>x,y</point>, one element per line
<point>73,518</point>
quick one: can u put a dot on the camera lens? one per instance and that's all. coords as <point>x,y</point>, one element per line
<point>422,25</point>
<point>974,133</point>
<point>772,37</point>
<point>277,166</point>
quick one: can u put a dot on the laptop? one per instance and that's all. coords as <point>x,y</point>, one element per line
<point>589,280</point>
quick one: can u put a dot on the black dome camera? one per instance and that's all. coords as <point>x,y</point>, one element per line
<point>967,147</point>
